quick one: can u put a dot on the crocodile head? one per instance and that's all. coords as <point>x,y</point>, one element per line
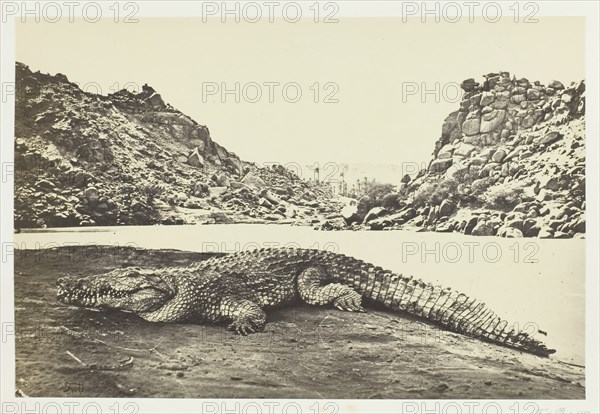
<point>131,289</point>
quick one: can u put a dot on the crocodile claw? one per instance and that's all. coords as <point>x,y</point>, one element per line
<point>243,327</point>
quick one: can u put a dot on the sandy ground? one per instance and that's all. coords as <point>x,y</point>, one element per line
<point>305,352</point>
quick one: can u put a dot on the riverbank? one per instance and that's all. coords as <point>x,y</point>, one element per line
<point>305,352</point>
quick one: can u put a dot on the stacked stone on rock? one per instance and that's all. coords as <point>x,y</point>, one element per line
<point>508,134</point>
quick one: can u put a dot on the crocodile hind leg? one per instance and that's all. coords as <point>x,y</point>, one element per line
<point>314,291</point>
<point>244,315</point>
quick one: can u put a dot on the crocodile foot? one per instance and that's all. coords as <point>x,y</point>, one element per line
<point>349,301</point>
<point>246,326</point>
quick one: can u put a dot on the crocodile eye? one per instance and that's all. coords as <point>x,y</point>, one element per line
<point>153,278</point>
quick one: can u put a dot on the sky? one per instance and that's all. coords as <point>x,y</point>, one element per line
<point>369,73</point>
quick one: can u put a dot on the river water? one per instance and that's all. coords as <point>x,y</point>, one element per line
<point>539,284</point>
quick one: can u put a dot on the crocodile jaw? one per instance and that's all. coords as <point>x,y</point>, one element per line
<point>130,290</point>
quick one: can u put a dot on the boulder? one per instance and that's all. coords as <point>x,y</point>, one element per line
<point>444,228</point>
<point>515,223</point>
<point>267,195</point>
<point>522,208</point>
<point>380,223</point>
<point>350,213</point>
<point>579,226</point>
<point>457,170</point>
<point>532,231</point>
<point>433,215</point>
<point>365,203</point>
<point>263,202</point>
<point>277,217</point>
<point>216,191</point>
<point>140,218</point>
<point>492,120</point>
<point>546,233</point>
<point>45,185</point>
<point>407,214</point>
<point>486,153</point>
<point>477,161</point>
<point>254,181</point>
<point>471,225</point>
<point>549,182</point>
<point>333,224</point>
<point>525,154</point>
<point>501,100</point>
<point>545,195</point>
<point>235,165</point>
<point>374,213</point>
<point>520,89</point>
<point>446,151</point>
<point>509,232</point>
<point>222,180</point>
<point>471,126</point>
<point>236,185</point>
<point>193,203</point>
<point>180,197</point>
<point>468,85</point>
<point>483,228</point>
<point>487,98</point>
<point>512,233</point>
<point>561,235</point>
<point>532,94</point>
<point>517,99</point>
<point>91,193</point>
<point>499,155</point>
<point>464,150</point>
<point>439,166</point>
<point>550,138</point>
<point>195,159</point>
<point>556,85</point>
<point>447,208</point>
<point>474,170</point>
<point>514,152</point>
<point>486,110</point>
<point>527,122</point>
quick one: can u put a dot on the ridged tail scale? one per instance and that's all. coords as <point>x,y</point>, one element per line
<point>445,307</point>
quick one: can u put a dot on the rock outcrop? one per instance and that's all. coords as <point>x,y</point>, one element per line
<point>130,158</point>
<point>510,162</point>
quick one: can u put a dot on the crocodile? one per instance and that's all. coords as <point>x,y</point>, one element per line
<point>236,290</point>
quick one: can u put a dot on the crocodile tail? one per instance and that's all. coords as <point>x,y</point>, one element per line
<point>453,311</point>
<point>444,307</point>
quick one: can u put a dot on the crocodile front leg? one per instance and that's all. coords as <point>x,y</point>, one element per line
<point>243,315</point>
<point>313,290</point>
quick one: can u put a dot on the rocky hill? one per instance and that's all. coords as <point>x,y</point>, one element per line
<point>131,158</point>
<point>510,162</point>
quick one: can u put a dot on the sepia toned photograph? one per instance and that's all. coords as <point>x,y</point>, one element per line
<point>299,201</point>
